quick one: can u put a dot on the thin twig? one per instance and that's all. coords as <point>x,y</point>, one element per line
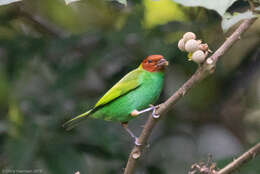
<point>203,71</point>
<point>244,158</point>
<point>42,23</point>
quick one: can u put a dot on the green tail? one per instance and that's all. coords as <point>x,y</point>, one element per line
<point>75,121</point>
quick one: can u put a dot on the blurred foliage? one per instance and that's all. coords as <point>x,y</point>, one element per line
<point>57,60</point>
<point>218,6</point>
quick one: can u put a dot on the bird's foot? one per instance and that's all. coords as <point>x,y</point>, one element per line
<point>154,111</point>
<point>137,142</point>
<point>155,115</point>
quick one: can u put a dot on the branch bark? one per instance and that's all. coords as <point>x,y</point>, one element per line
<point>244,158</point>
<point>203,71</point>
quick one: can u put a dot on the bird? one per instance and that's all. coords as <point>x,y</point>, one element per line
<point>130,97</point>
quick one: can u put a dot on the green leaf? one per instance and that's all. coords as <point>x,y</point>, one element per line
<point>219,6</point>
<point>230,20</point>
<point>5,2</point>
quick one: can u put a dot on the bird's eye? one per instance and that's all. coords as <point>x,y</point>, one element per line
<point>149,61</point>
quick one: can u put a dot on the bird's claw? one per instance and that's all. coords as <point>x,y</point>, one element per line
<point>155,115</point>
<point>136,142</point>
<point>154,110</point>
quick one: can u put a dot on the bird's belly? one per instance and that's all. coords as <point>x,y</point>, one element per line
<point>120,108</point>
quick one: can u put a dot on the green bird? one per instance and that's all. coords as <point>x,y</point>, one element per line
<point>130,96</point>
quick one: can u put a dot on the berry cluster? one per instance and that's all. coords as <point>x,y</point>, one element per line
<point>196,49</point>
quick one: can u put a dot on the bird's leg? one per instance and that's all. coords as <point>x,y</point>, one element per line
<point>135,112</point>
<point>125,126</point>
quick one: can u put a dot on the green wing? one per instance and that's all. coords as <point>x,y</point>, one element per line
<point>125,85</point>
<point>130,82</point>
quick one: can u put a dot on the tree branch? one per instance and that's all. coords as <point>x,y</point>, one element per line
<point>42,24</point>
<point>203,71</point>
<point>244,158</point>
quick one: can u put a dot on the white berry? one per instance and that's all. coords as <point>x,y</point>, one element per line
<point>181,45</point>
<point>191,46</point>
<point>188,36</point>
<point>198,56</point>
